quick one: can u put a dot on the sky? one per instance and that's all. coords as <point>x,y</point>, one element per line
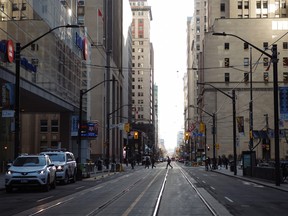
<point>169,38</point>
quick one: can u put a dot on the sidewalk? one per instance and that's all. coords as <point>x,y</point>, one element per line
<point>283,186</point>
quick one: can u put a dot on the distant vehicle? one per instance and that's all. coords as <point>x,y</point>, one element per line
<point>66,166</point>
<point>31,170</point>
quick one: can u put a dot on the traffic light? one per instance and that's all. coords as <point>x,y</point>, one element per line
<point>127,127</point>
<point>187,135</point>
<point>202,127</point>
<point>135,134</point>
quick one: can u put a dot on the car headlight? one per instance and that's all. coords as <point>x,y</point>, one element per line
<point>60,168</point>
<point>42,172</point>
<point>9,172</point>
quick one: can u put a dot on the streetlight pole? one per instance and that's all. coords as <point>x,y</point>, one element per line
<point>83,92</point>
<point>18,50</point>
<point>274,60</point>
<point>213,131</point>
<point>234,121</point>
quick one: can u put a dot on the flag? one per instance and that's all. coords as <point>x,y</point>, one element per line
<point>100,14</point>
<point>98,28</point>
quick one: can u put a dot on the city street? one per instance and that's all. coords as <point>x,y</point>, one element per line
<point>179,191</point>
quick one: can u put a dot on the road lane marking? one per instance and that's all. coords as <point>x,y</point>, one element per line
<point>79,187</point>
<point>126,213</point>
<point>40,200</point>
<point>212,188</point>
<point>229,199</point>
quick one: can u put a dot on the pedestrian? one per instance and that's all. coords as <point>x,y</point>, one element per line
<point>132,162</point>
<point>153,162</point>
<point>225,161</point>
<point>168,162</point>
<point>219,162</point>
<point>147,162</point>
<point>209,163</point>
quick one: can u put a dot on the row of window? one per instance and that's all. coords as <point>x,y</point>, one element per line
<point>265,62</point>
<point>139,87</point>
<point>265,77</point>
<point>140,94</point>
<point>265,45</point>
<point>140,79</point>
<point>54,126</point>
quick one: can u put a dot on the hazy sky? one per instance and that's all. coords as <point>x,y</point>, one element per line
<point>168,35</point>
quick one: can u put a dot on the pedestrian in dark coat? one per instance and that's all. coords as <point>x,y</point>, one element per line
<point>153,162</point>
<point>168,162</point>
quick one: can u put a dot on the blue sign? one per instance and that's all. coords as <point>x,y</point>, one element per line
<point>283,95</point>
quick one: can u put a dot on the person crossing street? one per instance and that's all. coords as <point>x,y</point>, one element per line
<point>168,162</point>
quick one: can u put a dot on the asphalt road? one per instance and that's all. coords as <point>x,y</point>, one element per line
<point>142,191</point>
<point>178,191</point>
<point>241,197</point>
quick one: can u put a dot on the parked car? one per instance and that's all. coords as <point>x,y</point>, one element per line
<point>31,170</point>
<point>66,166</point>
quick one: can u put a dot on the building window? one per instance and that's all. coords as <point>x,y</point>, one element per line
<point>285,77</point>
<point>265,4</point>
<point>23,6</point>
<point>239,4</point>
<point>246,61</point>
<point>266,76</point>
<point>222,7</point>
<point>285,61</point>
<point>246,45</point>
<point>54,126</point>
<point>227,77</point>
<point>265,62</point>
<point>43,126</point>
<point>258,4</point>
<point>140,50</point>
<point>265,45</point>
<point>246,77</point>
<point>226,62</point>
<point>226,46</point>
<point>15,7</point>
<point>246,5</point>
<point>140,86</point>
<point>285,45</point>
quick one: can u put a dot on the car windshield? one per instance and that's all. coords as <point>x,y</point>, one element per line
<point>29,161</point>
<point>57,157</point>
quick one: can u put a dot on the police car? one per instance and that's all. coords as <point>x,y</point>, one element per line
<point>66,166</point>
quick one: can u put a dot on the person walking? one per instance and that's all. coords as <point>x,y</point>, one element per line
<point>153,162</point>
<point>147,162</point>
<point>168,162</point>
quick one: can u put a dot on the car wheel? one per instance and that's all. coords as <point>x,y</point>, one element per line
<point>8,189</point>
<point>73,180</point>
<point>66,179</point>
<point>46,187</point>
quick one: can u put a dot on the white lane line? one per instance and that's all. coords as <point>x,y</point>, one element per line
<point>40,200</point>
<point>79,187</point>
<point>204,182</point>
<point>229,199</point>
<point>212,188</point>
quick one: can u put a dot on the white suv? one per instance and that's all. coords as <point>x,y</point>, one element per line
<point>66,166</point>
<point>31,170</point>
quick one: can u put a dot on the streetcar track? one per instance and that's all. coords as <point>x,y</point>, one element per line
<point>199,194</point>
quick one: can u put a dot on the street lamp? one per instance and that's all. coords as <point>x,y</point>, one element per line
<point>213,131</point>
<point>83,92</point>
<point>274,60</point>
<point>234,121</point>
<point>18,50</point>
